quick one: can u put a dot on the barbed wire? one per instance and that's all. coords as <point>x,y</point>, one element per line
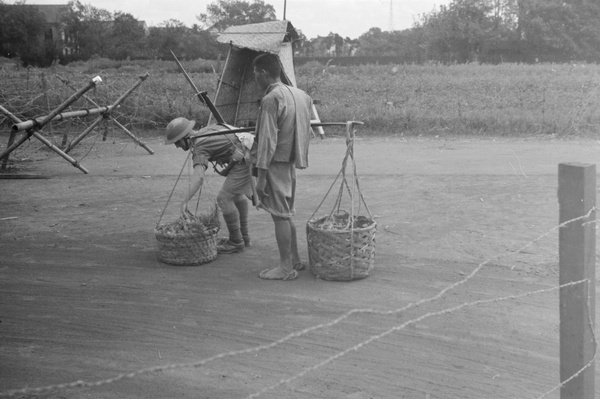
<point>297,334</point>
<point>411,322</point>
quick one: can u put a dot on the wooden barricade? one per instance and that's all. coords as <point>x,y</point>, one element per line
<point>34,126</point>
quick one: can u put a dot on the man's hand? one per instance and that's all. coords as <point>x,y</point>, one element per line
<point>185,211</point>
<point>261,184</point>
<point>260,191</point>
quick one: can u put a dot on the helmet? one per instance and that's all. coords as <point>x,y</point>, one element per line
<point>177,129</point>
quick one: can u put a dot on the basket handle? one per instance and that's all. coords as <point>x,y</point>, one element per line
<point>173,189</point>
<point>350,136</point>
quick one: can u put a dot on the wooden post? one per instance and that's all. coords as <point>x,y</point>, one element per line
<point>45,90</point>
<point>11,140</point>
<point>577,257</point>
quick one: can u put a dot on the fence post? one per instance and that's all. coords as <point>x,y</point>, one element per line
<point>577,260</point>
<point>47,99</point>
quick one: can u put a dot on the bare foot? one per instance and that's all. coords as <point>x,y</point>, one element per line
<point>277,274</point>
<point>299,266</point>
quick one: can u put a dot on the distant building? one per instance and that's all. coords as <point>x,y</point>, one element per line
<point>55,32</point>
<point>54,14</point>
<point>213,30</point>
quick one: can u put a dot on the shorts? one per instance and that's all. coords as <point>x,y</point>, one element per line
<point>237,181</point>
<point>281,190</point>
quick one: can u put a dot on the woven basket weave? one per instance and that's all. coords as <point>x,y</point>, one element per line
<point>340,254</point>
<point>187,248</point>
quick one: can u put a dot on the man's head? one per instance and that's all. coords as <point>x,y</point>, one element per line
<point>267,69</point>
<point>178,131</point>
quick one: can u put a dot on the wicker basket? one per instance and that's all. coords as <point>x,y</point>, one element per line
<point>187,248</point>
<point>341,245</point>
<point>341,254</point>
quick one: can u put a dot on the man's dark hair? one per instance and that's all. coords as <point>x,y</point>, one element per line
<point>268,62</point>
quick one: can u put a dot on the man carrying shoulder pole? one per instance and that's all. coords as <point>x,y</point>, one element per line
<point>223,149</point>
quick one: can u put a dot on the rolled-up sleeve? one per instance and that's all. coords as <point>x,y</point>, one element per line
<point>199,157</point>
<point>266,126</point>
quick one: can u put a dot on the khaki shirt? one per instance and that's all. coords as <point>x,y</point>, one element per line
<point>213,149</point>
<point>283,127</point>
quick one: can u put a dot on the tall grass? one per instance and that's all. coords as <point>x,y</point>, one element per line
<point>488,100</point>
<point>411,100</point>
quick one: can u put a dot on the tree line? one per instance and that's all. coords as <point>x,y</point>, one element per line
<point>487,31</point>
<point>492,31</point>
<point>86,31</point>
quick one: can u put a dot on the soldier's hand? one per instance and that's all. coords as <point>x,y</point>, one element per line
<point>185,212</point>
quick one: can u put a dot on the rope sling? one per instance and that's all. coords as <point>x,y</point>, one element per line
<point>341,245</point>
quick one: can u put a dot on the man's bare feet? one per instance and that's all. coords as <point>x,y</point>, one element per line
<point>299,266</point>
<point>277,274</point>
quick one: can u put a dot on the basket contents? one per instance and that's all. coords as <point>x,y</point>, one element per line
<point>190,240</point>
<point>191,224</point>
<point>341,221</point>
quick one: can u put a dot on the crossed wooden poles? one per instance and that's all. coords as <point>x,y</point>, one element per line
<point>33,126</point>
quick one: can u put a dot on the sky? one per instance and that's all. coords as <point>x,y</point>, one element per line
<point>348,18</point>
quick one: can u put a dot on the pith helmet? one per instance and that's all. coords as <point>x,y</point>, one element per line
<point>177,129</point>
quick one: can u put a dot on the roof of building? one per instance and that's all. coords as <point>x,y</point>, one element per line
<point>264,36</point>
<point>52,12</point>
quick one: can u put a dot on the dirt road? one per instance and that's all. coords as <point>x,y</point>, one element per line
<point>84,298</point>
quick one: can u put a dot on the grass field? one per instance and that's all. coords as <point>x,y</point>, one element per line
<point>411,100</point>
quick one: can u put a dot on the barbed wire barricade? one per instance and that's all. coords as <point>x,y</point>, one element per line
<point>31,92</point>
<point>373,338</point>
